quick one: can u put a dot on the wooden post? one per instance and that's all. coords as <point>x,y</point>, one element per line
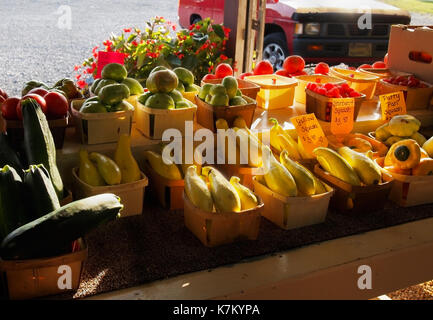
<point>246,19</point>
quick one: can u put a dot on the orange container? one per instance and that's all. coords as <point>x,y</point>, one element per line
<point>247,88</point>
<point>292,212</point>
<point>218,228</point>
<point>359,81</point>
<point>207,114</point>
<point>169,192</point>
<point>276,92</point>
<point>27,279</point>
<point>356,199</point>
<point>321,106</point>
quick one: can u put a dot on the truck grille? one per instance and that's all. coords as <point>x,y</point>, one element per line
<point>352,30</point>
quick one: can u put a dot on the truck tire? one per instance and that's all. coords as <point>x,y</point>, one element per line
<point>275,49</point>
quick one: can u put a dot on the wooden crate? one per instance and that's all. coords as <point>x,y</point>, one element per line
<point>214,229</point>
<point>58,127</point>
<point>293,212</point>
<point>356,199</point>
<point>247,88</point>
<point>131,194</point>
<point>321,106</point>
<point>27,279</point>
<point>168,192</point>
<point>153,122</point>
<point>96,128</point>
<point>207,114</point>
<point>409,191</point>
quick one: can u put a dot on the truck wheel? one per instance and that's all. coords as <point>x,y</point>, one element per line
<point>275,49</point>
<point>195,19</point>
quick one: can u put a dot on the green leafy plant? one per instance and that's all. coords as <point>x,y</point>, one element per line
<point>199,49</point>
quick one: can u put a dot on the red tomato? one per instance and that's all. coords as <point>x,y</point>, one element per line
<point>294,64</point>
<point>385,59</point>
<point>3,94</point>
<point>283,73</point>
<point>40,91</point>
<point>322,68</point>
<point>263,67</point>
<point>223,70</point>
<point>9,108</point>
<point>209,77</point>
<point>299,73</point>
<point>40,100</point>
<point>245,74</point>
<point>379,65</point>
<point>365,66</point>
<point>57,104</point>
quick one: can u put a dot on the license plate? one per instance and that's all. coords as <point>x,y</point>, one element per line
<point>360,49</point>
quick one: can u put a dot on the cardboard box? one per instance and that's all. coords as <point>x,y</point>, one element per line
<point>406,39</point>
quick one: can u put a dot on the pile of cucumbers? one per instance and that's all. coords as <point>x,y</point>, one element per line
<point>32,222</point>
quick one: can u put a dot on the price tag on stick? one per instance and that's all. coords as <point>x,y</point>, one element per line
<point>105,58</point>
<point>392,104</point>
<point>310,132</point>
<point>343,111</point>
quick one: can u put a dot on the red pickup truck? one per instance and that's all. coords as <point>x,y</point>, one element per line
<point>318,30</point>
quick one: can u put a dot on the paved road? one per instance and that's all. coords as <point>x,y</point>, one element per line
<point>33,47</point>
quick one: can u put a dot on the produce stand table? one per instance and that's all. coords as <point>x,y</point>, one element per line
<point>325,266</point>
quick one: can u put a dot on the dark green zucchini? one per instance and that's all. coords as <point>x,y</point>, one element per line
<point>8,156</point>
<point>40,190</point>
<point>50,234</point>
<point>39,142</point>
<point>13,213</point>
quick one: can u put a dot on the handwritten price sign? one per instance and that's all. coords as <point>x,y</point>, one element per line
<point>310,132</point>
<point>342,115</point>
<point>392,104</point>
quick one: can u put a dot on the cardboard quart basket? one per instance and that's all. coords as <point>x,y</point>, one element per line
<point>133,100</point>
<point>96,128</point>
<point>321,106</point>
<point>359,81</point>
<point>153,122</point>
<point>247,88</point>
<point>33,278</point>
<point>409,191</point>
<point>293,212</point>
<point>356,199</point>
<point>207,114</point>
<point>57,127</point>
<point>276,92</point>
<point>131,194</point>
<point>168,192</point>
<point>416,98</point>
<point>300,95</point>
<point>218,228</point>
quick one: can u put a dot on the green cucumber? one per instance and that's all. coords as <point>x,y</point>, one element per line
<point>13,213</point>
<point>49,235</point>
<point>8,155</point>
<point>40,190</point>
<point>39,142</point>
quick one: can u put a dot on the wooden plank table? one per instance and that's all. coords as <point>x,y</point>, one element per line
<point>398,256</point>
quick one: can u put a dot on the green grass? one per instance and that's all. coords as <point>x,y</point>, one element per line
<point>423,6</point>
